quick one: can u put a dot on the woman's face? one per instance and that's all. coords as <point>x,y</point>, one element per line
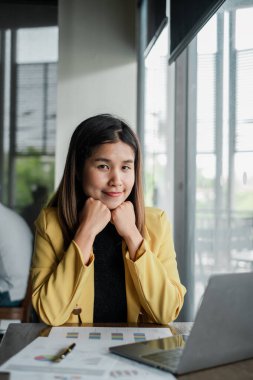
<point>108,174</point>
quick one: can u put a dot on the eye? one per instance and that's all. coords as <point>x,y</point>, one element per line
<point>125,168</point>
<point>103,167</point>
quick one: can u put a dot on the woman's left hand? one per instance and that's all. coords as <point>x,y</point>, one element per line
<point>123,217</point>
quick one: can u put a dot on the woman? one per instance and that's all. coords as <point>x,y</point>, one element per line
<point>99,255</point>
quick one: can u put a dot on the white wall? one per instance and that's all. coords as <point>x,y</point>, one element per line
<point>97,65</point>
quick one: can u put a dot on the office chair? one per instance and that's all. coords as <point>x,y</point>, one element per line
<point>23,312</point>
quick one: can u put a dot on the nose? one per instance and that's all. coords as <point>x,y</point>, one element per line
<point>115,178</point>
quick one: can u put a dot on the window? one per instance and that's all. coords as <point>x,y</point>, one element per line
<point>213,148</point>
<point>224,153</point>
<point>29,103</point>
<point>157,157</point>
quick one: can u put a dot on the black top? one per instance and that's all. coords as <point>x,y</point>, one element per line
<point>109,278</point>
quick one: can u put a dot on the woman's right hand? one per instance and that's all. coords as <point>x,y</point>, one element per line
<point>93,218</point>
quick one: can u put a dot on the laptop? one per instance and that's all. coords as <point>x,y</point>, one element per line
<point>222,332</point>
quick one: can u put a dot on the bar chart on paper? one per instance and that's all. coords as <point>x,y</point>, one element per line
<point>114,335</point>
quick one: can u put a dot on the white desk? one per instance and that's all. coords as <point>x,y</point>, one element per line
<point>20,335</point>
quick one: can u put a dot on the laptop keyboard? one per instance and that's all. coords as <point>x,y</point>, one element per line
<point>168,358</point>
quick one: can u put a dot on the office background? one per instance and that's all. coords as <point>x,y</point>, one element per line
<point>64,61</point>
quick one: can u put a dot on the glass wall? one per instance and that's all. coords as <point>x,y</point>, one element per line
<point>157,160</point>
<point>29,122</point>
<point>224,157</point>
<point>213,147</point>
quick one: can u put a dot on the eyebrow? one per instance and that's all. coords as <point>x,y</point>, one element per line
<point>130,161</point>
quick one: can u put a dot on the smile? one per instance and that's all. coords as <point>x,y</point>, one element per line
<point>113,194</point>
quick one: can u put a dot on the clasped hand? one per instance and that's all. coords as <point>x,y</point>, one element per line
<point>96,215</point>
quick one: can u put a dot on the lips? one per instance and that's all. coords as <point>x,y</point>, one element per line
<point>113,194</point>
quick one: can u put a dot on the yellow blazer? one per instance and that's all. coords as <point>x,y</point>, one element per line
<point>62,283</point>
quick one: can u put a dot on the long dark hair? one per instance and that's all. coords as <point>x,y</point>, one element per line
<point>69,197</point>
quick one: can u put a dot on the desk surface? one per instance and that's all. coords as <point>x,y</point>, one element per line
<point>20,335</point>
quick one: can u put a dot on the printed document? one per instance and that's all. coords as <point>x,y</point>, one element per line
<point>90,358</point>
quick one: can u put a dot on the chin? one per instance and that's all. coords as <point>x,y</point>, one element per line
<point>113,205</point>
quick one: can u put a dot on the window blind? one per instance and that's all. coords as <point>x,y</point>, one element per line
<point>36,107</point>
<point>244,101</point>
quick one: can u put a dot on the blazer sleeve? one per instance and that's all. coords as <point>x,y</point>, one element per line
<point>58,276</point>
<point>155,275</point>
